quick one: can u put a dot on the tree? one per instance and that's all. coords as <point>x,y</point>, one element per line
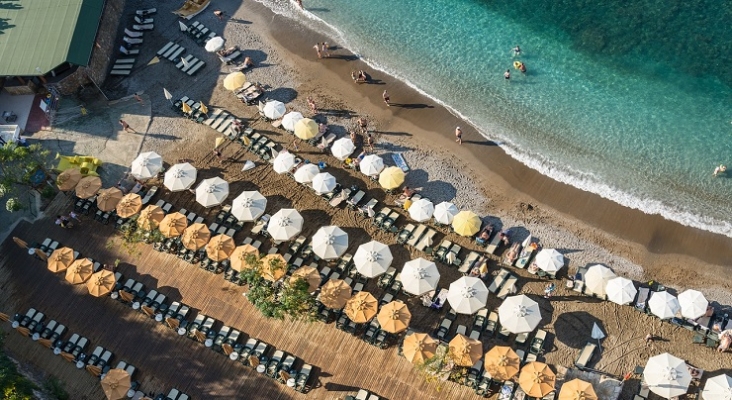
<point>441,367</point>
<point>13,385</point>
<point>18,164</point>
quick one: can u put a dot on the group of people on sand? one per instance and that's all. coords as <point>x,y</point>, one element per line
<point>322,49</point>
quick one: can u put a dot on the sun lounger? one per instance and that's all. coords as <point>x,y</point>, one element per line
<point>381,216</point>
<point>461,329</point>
<point>24,320</point>
<point>94,356</point>
<point>80,347</point>
<point>132,41</point>
<point>444,329</point>
<point>585,355</point>
<point>506,392</point>
<point>508,287</point>
<point>145,27</point>
<point>396,284</point>
<point>48,329</point>
<point>143,21</point>
<point>642,299</point>
<point>494,243</point>
<point>36,321</point>
<point>248,350</point>
<point>442,250</point>
<point>386,279</point>
<point>498,280</point>
<point>468,263</point>
<point>355,199</point>
<point>388,223</point>
<point>426,241</point>
<point>303,377</point>
<point>261,349</point>
<point>146,12</point>
<point>221,337</point>
<point>405,233</point>
<point>71,343</point>
<point>230,58</point>
<point>417,235</point>
<point>537,344</point>
<point>133,34</point>
<point>525,257</point>
<point>474,374</point>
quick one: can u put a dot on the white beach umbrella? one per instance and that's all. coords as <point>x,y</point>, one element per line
<point>596,278</point>
<point>324,183</point>
<point>212,192</point>
<point>371,165</point>
<point>330,242</point>
<point>519,314</point>
<point>421,210</point>
<point>214,44</point>
<point>549,260</point>
<point>667,376</point>
<point>342,148</point>
<point>372,259</point>
<point>467,295</point>
<point>290,119</point>
<point>146,165</point>
<point>284,162</point>
<point>306,173</point>
<point>718,388</point>
<point>664,305</point>
<point>180,177</point>
<point>248,206</point>
<point>693,304</point>
<point>620,290</point>
<point>445,212</point>
<point>419,276</point>
<point>285,224</point>
<point>274,109</point>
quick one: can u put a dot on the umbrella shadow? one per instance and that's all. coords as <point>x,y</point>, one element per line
<point>277,202</point>
<point>574,329</point>
<point>282,94</point>
<point>172,293</point>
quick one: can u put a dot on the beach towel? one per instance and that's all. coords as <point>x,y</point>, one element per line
<point>399,161</point>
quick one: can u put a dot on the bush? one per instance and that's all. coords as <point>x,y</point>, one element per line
<point>13,204</point>
<point>13,385</point>
<point>48,192</point>
<point>55,388</point>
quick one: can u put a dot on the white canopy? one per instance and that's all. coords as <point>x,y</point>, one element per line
<point>324,183</point>
<point>248,206</point>
<point>445,212</point>
<point>284,162</point>
<point>372,259</point>
<point>693,304</point>
<point>519,314</point>
<point>289,120</point>
<point>212,192</point>
<point>274,109</point>
<point>146,165</point>
<point>342,148</point>
<point>371,165</point>
<point>667,376</point>
<point>467,295</point>
<point>549,260</point>
<point>214,44</point>
<point>306,173</point>
<point>285,224</point>
<point>419,276</point>
<point>180,177</point>
<point>664,305</point>
<point>620,290</point>
<point>718,388</point>
<point>330,242</point>
<point>421,210</point>
<point>596,278</point>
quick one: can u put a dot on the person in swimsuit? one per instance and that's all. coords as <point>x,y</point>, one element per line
<point>459,135</point>
<point>385,95</point>
<point>516,51</point>
<point>507,74</point>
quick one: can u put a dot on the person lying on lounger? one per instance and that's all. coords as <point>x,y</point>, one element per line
<point>227,52</point>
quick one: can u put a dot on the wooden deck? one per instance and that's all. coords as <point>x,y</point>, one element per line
<point>164,360</point>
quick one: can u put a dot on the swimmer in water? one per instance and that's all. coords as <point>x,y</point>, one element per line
<point>720,170</point>
<point>516,51</point>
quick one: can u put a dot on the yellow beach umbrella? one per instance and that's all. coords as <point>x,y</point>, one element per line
<point>306,129</point>
<point>419,347</point>
<point>234,80</point>
<point>536,379</point>
<point>502,363</point>
<point>391,178</point>
<point>68,179</point>
<point>466,223</point>
<point>465,351</point>
<point>129,205</point>
<point>577,389</point>
<point>150,217</point>
<point>60,259</point>
<point>204,109</point>
<point>362,307</point>
<point>79,271</point>
<point>274,267</point>
<point>239,257</point>
<point>394,317</point>
<point>187,109</point>
<point>101,283</point>
<point>220,247</point>
<point>309,275</point>
<point>335,293</point>
<point>116,383</point>
<point>195,236</point>
<point>88,186</point>
<point>108,198</point>
<point>173,225</point>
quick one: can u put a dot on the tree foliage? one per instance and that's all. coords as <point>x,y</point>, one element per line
<point>441,367</point>
<point>18,163</point>
<point>13,385</point>
<point>132,234</point>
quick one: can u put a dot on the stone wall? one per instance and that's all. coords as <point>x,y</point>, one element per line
<point>104,48</point>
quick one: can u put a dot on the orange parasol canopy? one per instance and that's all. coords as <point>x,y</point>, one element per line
<point>116,384</point>
<point>465,351</point>
<point>195,236</point>
<point>502,363</point>
<point>101,283</point>
<point>335,293</point>
<point>419,347</point>
<point>361,308</point>
<point>270,272</point>
<point>150,217</point>
<point>129,205</point>
<point>107,199</point>
<point>536,379</point>
<point>220,247</point>
<point>79,271</point>
<point>309,275</point>
<point>88,186</point>
<point>173,225</point>
<point>577,389</point>
<point>239,256</point>
<point>394,317</point>
<point>68,179</point>
<point>60,259</point>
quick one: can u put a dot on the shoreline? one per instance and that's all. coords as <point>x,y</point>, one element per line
<point>656,240</point>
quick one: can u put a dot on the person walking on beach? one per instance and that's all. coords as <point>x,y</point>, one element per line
<point>324,50</point>
<point>126,126</point>
<point>385,95</point>
<point>313,106</point>
<point>649,339</point>
<point>317,50</point>
<point>75,216</point>
<point>219,14</point>
<point>507,74</point>
<point>370,142</point>
<point>363,124</point>
<point>459,135</point>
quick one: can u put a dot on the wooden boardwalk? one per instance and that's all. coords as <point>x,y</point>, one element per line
<point>164,360</point>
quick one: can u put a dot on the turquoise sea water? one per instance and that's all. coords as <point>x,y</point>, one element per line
<point>629,101</point>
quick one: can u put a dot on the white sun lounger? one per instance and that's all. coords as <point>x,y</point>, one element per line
<point>133,34</point>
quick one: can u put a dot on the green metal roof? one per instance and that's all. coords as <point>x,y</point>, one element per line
<point>36,36</point>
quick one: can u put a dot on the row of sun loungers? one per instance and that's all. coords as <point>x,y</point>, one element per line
<point>200,33</point>
<point>133,37</point>
<point>173,52</point>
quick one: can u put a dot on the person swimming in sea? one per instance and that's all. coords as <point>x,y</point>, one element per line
<point>522,68</point>
<point>516,51</point>
<point>720,170</point>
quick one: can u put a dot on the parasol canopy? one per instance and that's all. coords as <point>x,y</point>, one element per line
<point>342,148</point>
<point>419,347</point>
<point>465,351</point>
<point>274,109</point>
<point>391,178</point>
<point>107,199</point>
<point>371,165</point>
<point>195,236</point>
<point>284,162</point>
<point>309,275</point>
<point>146,165</point>
<point>150,217</point>
<point>693,304</point>
<point>718,387</point>
<point>68,179</point>
<point>101,283</point>
<point>212,192</point>
<point>173,225</point>
<point>274,267</point>
<point>664,305</point>
<point>372,259</point>
<point>620,290</point>
<point>248,206</point>
<point>421,210</point>
<point>234,80</point>
<point>79,271</point>
<point>537,379</point>
<point>394,317</point>
<point>502,363</point>
<point>467,295</point>
<point>330,242</point>
<point>214,44</point>
<point>466,223</point>
<point>290,119</point>
<point>667,376</point>
<point>239,257</point>
<point>577,389</point>
<point>549,260</point>
<point>220,247</point>
<point>597,277</point>
<point>362,307</point>
<point>306,129</point>
<point>324,183</point>
<point>180,177</point>
<point>519,314</point>
<point>88,186</point>
<point>335,293</point>
<point>306,173</point>
<point>445,212</point>
<point>60,259</point>
<point>129,205</point>
<point>419,276</point>
<point>116,383</point>
<point>285,224</point>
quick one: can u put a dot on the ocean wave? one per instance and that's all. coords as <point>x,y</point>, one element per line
<point>536,161</point>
